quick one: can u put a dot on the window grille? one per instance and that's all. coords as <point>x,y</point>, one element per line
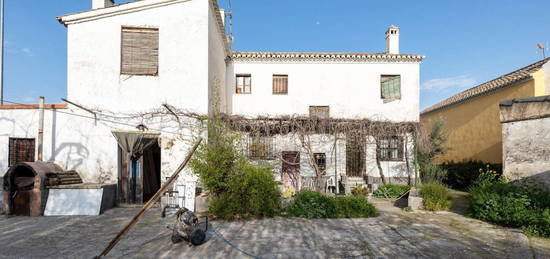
<point>243,84</point>
<point>140,51</point>
<point>321,161</point>
<point>21,150</point>
<point>322,112</point>
<point>390,148</point>
<point>390,87</point>
<point>280,84</point>
<point>261,147</point>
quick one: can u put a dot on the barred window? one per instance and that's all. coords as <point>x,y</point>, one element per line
<point>20,150</point>
<point>321,161</point>
<point>261,147</point>
<point>280,84</point>
<point>243,84</point>
<point>322,112</point>
<point>390,87</point>
<point>390,148</point>
<point>140,51</point>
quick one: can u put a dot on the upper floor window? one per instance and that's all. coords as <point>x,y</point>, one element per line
<point>322,112</point>
<point>280,84</point>
<point>243,84</point>
<point>390,87</point>
<point>140,51</point>
<point>390,148</point>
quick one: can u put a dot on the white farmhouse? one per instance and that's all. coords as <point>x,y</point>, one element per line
<point>143,68</point>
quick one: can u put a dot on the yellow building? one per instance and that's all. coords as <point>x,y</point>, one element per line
<point>472,116</point>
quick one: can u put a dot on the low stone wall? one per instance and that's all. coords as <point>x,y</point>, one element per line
<point>526,140</point>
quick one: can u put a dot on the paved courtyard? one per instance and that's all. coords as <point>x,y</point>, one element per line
<point>394,234</point>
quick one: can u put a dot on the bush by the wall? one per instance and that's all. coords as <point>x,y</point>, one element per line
<point>251,193</point>
<point>359,190</point>
<point>391,191</point>
<point>513,206</point>
<point>461,175</point>
<point>355,207</point>
<point>435,197</point>
<point>310,204</point>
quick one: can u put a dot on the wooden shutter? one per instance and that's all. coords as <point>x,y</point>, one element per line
<point>140,51</point>
<point>322,112</point>
<point>280,84</point>
<point>390,87</point>
<point>21,150</point>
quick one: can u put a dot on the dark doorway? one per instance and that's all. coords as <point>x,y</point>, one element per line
<point>291,169</point>
<point>139,179</point>
<point>355,155</point>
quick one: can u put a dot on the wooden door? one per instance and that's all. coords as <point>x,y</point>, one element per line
<point>21,203</point>
<point>291,169</point>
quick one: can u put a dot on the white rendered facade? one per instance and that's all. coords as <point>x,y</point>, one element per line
<point>196,72</point>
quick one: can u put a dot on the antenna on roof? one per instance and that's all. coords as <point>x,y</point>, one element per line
<point>543,49</point>
<point>230,24</point>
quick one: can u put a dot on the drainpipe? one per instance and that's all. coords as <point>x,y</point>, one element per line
<point>41,128</point>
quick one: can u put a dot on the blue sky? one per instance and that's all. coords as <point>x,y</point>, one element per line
<point>466,42</point>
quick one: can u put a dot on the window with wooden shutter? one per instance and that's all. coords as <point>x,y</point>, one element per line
<point>261,147</point>
<point>140,51</point>
<point>243,84</point>
<point>20,150</point>
<point>322,112</point>
<point>390,87</point>
<point>280,84</point>
<point>390,148</point>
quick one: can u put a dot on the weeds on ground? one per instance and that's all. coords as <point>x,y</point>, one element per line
<point>435,197</point>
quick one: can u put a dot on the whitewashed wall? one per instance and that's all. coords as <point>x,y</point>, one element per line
<point>216,64</point>
<point>94,77</point>
<point>352,90</point>
<point>394,171</point>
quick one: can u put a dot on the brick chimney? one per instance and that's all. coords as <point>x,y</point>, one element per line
<point>392,40</point>
<point>97,4</point>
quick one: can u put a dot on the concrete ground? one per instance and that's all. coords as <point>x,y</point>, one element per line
<point>394,234</point>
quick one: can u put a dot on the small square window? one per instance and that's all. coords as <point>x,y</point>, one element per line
<point>280,84</point>
<point>390,148</point>
<point>243,84</point>
<point>322,112</point>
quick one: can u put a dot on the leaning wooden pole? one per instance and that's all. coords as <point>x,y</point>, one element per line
<point>150,203</point>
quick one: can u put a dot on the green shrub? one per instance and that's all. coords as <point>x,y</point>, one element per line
<point>310,204</point>
<point>435,197</point>
<point>512,206</point>
<point>251,193</point>
<point>432,173</point>
<point>391,191</point>
<point>355,207</point>
<point>359,190</point>
<point>238,189</point>
<point>461,175</point>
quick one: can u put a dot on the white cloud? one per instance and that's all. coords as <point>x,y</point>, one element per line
<point>27,51</point>
<point>456,82</point>
<point>29,99</point>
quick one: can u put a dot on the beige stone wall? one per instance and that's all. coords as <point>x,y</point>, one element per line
<point>526,143</point>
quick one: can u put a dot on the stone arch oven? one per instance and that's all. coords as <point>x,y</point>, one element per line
<point>25,186</point>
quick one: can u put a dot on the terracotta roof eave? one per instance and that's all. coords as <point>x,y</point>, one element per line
<point>325,56</point>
